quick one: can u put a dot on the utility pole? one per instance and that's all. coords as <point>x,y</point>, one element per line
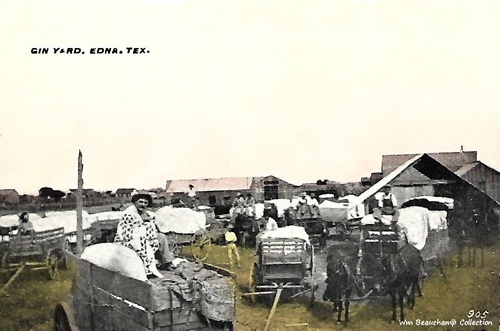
<point>79,206</point>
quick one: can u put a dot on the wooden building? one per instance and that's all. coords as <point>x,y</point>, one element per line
<point>423,175</point>
<point>222,191</point>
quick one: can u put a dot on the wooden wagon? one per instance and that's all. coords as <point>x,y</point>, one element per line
<point>105,300</point>
<point>42,250</point>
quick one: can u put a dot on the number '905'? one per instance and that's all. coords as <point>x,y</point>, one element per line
<point>477,313</point>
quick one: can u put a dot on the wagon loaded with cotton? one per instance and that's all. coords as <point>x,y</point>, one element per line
<point>114,293</point>
<point>284,263</point>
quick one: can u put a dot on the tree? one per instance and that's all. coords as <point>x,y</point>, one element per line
<point>50,193</point>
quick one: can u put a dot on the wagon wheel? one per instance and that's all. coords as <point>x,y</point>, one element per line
<point>63,321</point>
<point>253,280</point>
<point>52,264</point>
<point>174,248</point>
<point>200,245</point>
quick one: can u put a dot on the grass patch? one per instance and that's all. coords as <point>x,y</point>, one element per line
<point>33,297</point>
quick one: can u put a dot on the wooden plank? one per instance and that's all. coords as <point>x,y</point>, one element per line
<point>82,308</point>
<point>104,301</point>
<point>127,288</point>
<point>178,316</point>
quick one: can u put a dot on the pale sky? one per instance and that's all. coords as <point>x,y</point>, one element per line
<point>298,89</point>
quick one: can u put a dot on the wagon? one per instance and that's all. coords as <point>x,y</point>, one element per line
<point>102,299</point>
<point>317,230</point>
<point>43,250</point>
<point>196,234</point>
<point>283,264</point>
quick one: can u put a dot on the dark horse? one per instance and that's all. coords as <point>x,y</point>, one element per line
<point>246,229</point>
<point>341,265</point>
<point>398,275</point>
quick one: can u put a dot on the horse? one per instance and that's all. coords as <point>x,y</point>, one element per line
<point>341,264</point>
<point>401,273</point>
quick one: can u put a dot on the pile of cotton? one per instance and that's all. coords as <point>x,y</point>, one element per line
<point>117,258</point>
<point>334,211</point>
<point>415,221</point>
<point>288,232</point>
<point>106,216</point>
<point>180,220</point>
<point>66,213</point>
<point>437,219</point>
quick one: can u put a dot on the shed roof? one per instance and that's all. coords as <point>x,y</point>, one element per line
<point>211,184</point>
<point>432,168</point>
<point>451,160</point>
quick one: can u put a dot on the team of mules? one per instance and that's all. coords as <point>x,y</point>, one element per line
<point>395,274</point>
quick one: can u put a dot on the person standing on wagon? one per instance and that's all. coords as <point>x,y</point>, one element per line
<point>137,230</point>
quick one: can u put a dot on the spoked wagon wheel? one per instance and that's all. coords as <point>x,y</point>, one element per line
<point>174,248</point>
<point>52,264</point>
<point>200,245</point>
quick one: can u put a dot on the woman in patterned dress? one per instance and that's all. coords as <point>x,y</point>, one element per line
<point>137,230</point>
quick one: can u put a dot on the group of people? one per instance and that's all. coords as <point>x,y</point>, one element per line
<point>243,206</point>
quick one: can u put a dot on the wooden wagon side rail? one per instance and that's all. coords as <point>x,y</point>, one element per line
<point>110,301</point>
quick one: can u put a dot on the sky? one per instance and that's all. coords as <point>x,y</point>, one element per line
<point>302,90</point>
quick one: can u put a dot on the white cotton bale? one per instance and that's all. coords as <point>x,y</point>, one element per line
<point>287,232</point>
<point>180,220</point>
<point>117,258</point>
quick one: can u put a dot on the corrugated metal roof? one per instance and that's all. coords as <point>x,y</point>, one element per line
<point>451,160</point>
<point>211,184</point>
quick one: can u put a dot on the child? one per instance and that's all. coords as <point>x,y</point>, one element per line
<point>230,237</point>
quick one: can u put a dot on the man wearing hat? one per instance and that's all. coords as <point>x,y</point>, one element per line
<point>232,250</point>
<point>137,230</point>
<point>386,201</point>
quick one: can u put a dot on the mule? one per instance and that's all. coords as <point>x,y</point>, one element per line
<point>401,273</point>
<point>341,264</point>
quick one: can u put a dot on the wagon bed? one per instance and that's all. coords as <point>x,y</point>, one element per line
<point>105,300</point>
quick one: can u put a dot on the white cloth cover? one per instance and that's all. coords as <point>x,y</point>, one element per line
<point>291,231</point>
<point>117,258</point>
<point>414,222</point>
<point>107,216</point>
<point>180,220</point>
<point>437,219</point>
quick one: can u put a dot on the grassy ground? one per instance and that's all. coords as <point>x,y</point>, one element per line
<point>33,297</point>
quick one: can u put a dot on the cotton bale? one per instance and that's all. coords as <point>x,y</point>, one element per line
<point>116,257</point>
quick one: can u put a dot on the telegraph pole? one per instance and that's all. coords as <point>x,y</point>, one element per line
<point>79,206</point>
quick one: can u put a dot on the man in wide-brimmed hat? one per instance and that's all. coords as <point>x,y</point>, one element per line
<point>137,230</point>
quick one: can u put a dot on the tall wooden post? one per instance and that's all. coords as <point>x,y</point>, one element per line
<point>79,206</point>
